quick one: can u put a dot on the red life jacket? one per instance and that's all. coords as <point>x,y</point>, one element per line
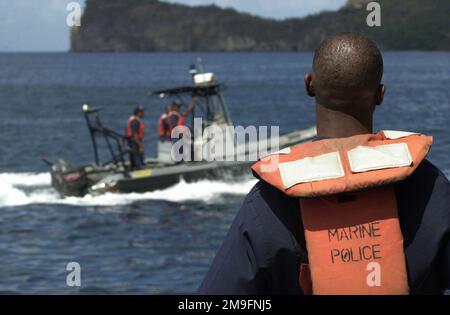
<point>162,130</point>
<point>180,121</point>
<point>129,130</point>
<point>349,209</point>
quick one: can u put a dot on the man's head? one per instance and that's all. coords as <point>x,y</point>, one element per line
<point>346,79</point>
<point>138,111</point>
<point>176,105</point>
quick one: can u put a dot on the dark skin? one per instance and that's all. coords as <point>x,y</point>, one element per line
<point>340,123</point>
<point>177,107</point>
<point>191,107</point>
<point>343,110</point>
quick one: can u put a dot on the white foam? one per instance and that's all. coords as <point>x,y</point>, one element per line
<point>9,195</point>
<point>38,191</point>
<point>26,179</point>
<point>19,189</point>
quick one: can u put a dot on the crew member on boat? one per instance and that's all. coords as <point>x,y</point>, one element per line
<point>175,117</point>
<point>172,118</point>
<point>135,135</point>
<point>163,124</point>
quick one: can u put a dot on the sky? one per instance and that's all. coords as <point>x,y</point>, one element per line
<point>40,25</point>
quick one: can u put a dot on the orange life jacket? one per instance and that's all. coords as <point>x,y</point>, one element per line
<point>129,130</point>
<point>180,121</point>
<point>349,209</point>
<point>163,130</point>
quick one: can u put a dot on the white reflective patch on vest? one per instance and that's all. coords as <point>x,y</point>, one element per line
<point>327,166</point>
<point>283,152</point>
<point>363,159</point>
<point>394,135</point>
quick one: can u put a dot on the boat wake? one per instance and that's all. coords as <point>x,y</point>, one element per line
<point>19,189</point>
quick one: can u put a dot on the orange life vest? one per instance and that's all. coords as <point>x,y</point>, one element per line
<point>349,209</point>
<point>129,130</point>
<point>163,130</point>
<point>180,121</point>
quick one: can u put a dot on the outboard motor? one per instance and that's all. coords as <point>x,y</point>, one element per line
<point>69,180</point>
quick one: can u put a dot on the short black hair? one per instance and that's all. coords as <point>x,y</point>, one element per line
<point>138,109</point>
<point>348,61</point>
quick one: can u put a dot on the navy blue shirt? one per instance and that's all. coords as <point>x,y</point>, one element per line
<point>174,120</point>
<point>265,246</point>
<point>135,126</point>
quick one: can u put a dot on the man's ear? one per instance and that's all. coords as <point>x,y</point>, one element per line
<point>309,85</point>
<point>379,97</point>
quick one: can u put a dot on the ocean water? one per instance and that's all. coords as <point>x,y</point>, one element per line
<point>163,241</point>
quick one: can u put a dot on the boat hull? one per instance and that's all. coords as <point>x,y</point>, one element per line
<point>225,172</point>
<point>79,181</point>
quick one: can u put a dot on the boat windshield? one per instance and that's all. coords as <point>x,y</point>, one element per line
<point>211,106</point>
<point>212,110</point>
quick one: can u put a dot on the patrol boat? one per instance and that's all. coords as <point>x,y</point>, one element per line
<point>162,171</point>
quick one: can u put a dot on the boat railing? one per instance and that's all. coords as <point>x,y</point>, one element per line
<point>117,144</point>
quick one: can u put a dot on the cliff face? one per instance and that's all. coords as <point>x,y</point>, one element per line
<point>150,25</point>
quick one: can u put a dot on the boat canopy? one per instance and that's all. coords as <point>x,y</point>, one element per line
<point>211,105</point>
<point>199,91</point>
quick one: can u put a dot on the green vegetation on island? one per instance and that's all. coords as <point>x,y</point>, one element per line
<point>151,25</point>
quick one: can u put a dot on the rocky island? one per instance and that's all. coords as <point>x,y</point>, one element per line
<point>151,25</point>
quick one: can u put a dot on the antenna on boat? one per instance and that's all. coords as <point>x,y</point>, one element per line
<point>200,64</point>
<point>196,69</point>
<point>193,71</point>
<point>87,112</point>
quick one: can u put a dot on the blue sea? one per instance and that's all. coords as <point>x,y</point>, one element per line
<point>163,241</point>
